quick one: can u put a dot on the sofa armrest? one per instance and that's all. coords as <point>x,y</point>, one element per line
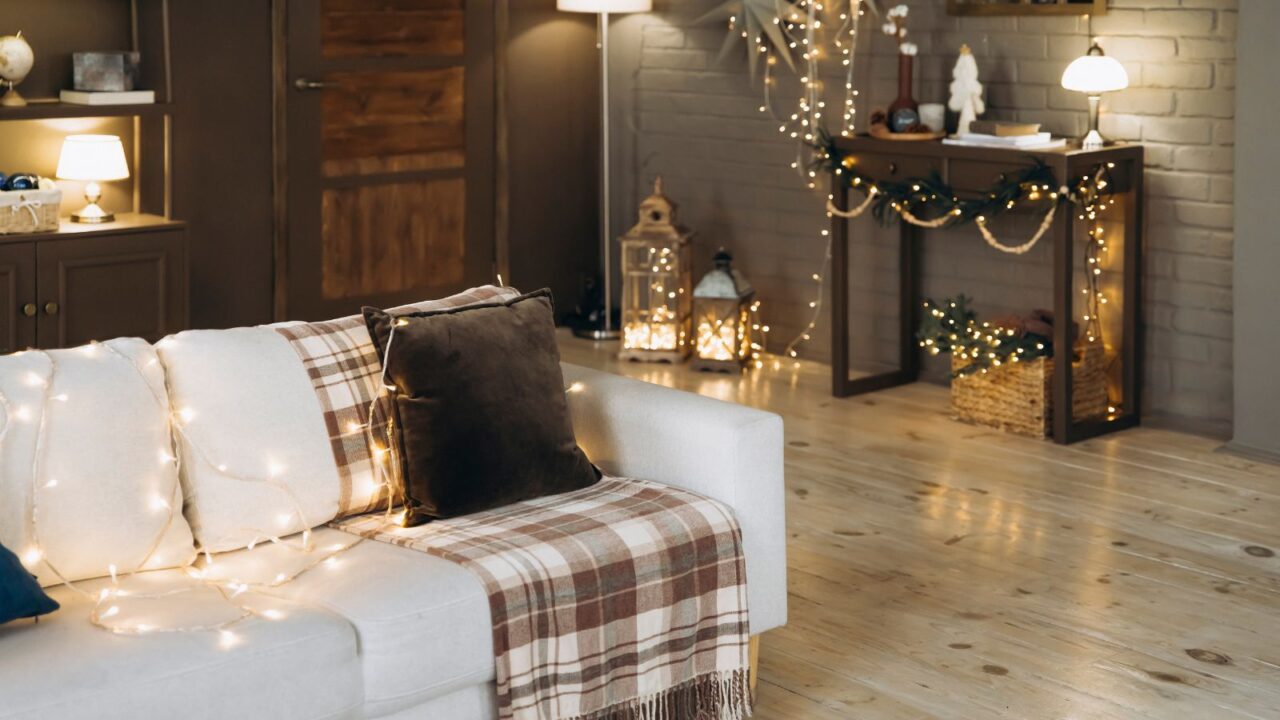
<point>725,451</point>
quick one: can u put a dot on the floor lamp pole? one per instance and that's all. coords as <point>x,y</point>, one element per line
<point>606,330</point>
<point>609,330</point>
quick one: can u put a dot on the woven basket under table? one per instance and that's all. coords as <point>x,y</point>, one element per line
<point>1018,397</point>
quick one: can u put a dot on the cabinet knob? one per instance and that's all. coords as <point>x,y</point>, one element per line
<point>893,168</point>
<point>304,84</point>
<point>51,308</point>
<point>29,309</point>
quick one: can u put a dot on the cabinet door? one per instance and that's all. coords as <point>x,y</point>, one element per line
<point>17,296</point>
<point>116,286</point>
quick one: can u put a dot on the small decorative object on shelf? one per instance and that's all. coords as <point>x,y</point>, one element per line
<point>28,204</point>
<point>1093,74</point>
<point>904,112</point>
<point>657,285</point>
<point>105,71</point>
<point>934,116</point>
<point>16,59</point>
<point>1002,371</point>
<point>93,159</point>
<point>724,309</point>
<point>966,91</point>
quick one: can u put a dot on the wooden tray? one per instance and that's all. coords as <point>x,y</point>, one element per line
<point>883,133</point>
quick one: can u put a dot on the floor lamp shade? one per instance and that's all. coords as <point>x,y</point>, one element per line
<point>605,6</point>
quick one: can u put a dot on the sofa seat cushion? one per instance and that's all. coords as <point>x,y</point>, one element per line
<point>423,623</point>
<point>303,665</point>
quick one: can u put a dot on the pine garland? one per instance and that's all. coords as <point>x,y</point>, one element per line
<point>930,198</point>
<point>951,327</point>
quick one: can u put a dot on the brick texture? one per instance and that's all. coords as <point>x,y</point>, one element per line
<point>695,119</point>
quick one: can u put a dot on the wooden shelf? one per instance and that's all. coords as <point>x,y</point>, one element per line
<point>125,223</point>
<point>1023,7</point>
<point>42,110</point>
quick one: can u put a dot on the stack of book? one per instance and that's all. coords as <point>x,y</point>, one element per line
<point>999,134</point>
<point>99,97</point>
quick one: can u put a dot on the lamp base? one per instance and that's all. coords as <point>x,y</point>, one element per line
<point>92,214</point>
<point>1093,141</point>
<point>597,334</point>
<point>12,98</point>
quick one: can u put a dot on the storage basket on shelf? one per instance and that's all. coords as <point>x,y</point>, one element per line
<point>1018,397</point>
<point>28,211</point>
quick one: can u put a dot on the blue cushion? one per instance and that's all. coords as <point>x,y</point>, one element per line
<point>20,595</point>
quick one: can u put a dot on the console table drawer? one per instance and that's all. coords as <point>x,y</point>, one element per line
<point>980,175</point>
<point>886,167</point>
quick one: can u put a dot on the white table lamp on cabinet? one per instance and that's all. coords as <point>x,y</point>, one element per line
<point>1093,74</point>
<point>603,8</point>
<point>93,159</point>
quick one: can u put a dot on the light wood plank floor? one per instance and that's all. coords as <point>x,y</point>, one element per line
<point>941,570</point>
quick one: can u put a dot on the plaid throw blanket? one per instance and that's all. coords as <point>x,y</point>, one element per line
<point>344,367</point>
<point>625,600</point>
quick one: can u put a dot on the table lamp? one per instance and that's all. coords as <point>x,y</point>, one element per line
<point>606,330</point>
<point>1093,74</point>
<point>94,159</point>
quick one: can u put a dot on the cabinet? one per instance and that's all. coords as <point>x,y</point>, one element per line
<point>62,289</point>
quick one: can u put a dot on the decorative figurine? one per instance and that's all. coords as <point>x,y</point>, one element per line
<point>966,91</point>
<point>16,59</point>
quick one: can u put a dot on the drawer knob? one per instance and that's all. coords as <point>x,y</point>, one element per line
<point>51,308</point>
<point>29,309</point>
<point>893,168</point>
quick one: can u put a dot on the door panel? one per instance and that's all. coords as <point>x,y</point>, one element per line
<point>105,287</point>
<point>17,292</point>
<point>390,162</point>
<point>392,28</point>
<point>421,227</point>
<point>389,121</point>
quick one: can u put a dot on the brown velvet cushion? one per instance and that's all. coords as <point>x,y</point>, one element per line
<point>480,413</point>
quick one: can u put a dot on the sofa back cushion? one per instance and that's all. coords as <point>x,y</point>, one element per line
<point>282,421</point>
<point>88,478</point>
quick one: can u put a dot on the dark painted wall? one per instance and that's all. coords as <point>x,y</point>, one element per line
<point>554,148</point>
<point>222,156</point>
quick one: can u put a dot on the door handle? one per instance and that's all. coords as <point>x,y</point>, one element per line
<point>305,84</point>
<point>51,308</point>
<point>29,309</point>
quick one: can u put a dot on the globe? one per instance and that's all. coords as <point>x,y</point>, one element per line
<point>16,59</point>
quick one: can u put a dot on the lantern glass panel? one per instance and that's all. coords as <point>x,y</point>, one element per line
<point>723,330</point>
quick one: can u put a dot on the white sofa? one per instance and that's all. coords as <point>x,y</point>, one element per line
<point>382,631</point>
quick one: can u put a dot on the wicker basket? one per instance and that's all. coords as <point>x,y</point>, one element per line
<point>1017,397</point>
<point>28,211</point>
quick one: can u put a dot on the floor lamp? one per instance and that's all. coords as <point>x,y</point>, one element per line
<point>603,8</point>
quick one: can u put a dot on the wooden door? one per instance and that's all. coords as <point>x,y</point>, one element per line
<point>17,296</point>
<point>388,152</point>
<point>97,288</point>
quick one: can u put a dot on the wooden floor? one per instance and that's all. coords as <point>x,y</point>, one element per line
<point>946,571</point>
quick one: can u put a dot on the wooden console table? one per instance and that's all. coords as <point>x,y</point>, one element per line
<point>969,170</point>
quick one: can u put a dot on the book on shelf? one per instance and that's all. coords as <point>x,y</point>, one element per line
<point>1003,128</point>
<point>1039,141</point>
<point>90,97</point>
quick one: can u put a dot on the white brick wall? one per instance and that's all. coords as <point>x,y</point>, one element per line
<point>695,121</point>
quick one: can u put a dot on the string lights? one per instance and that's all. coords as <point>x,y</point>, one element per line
<point>820,31</point>
<point>115,607</point>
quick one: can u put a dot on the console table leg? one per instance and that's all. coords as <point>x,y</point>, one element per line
<point>840,294</point>
<point>1063,318</point>
<point>909,300</point>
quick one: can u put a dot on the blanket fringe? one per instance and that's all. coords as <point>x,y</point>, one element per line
<point>713,696</point>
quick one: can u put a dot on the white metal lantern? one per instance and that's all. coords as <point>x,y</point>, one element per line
<point>656,284</point>
<point>723,306</point>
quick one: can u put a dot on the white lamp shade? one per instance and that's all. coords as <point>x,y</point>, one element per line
<point>92,157</point>
<point>1095,74</point>
<point>605,6</point>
